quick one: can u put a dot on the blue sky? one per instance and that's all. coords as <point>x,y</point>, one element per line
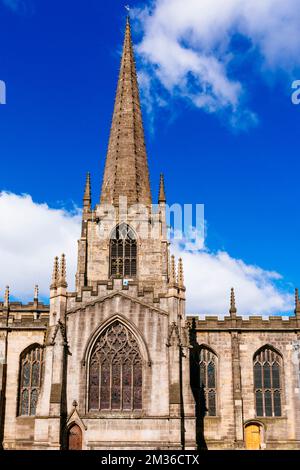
<point>60,62</point>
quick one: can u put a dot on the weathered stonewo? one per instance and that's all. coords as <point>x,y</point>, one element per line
<point>151,305</point>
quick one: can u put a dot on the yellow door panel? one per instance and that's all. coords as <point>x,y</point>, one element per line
<point>253,437</point>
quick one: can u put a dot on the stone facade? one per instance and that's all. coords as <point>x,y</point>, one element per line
<point>235,341</point>
<point>150,306</point>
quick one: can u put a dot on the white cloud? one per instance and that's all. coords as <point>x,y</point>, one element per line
<point>32,234</point>
<point>210,276</point>
<point>186,47</point>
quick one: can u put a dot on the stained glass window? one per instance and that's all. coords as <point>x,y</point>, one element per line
<point>257,375</point>
<point>277,403</point>
<point>94,384</point>
<point>259,403</point>
<point>33,401</point>
<point>212,402</point>
<point>207,366</point>
<point>35,379</point>
<point>116,386</point>
<point>276,375</point>
<point>137,385</point>
<point>26,374</point>
<point>31,363</point>
<point>115,373</point>
<point>24,402</point>
<point>123,252</point>
<point>211,376</point>
<point>126,375</point>
<point>267,388</point>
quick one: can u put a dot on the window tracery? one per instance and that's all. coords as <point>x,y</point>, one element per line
<point>31,363</point>
<point>115,372</point>
<point>267,388</point>
<point>208,386</point>
<point>123,252</point>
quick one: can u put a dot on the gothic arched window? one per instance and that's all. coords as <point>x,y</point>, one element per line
<point>115,371</point>
<point>267,367</point>
<point>31,364</point>
<point>208,379</point>
<point>123,252</point>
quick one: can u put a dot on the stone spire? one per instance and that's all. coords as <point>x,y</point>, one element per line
<point>6,297</point>
<point>55,273</point>
<point>36,292</point>
<point>232,309</point>
<point>62,282</point>
<point>297,303</point>
<point>126,168</point>
<point>172,270</point>
<point>87,198</point>
<point>180,278</point>
<point>162,193</point>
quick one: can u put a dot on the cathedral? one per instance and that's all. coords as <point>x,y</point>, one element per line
<point>118,364</point>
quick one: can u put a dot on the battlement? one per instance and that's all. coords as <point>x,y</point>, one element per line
<point>251,322</point>
<point>33,314</point>
<point>149,294</point>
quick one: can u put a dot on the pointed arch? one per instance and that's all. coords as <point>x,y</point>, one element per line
<point>208,366</point>
<point>130,325</point>
<point>123,251</point>
<point>208,348</point>
<point>123,227</point>
<point>267,380</point>
<point>253,421</point>
<point>73,418</point>
<point>115,368</point>
<point>269,346</point>
<point>254,431</point>
<point>30,379</point>
<point>74,436</point>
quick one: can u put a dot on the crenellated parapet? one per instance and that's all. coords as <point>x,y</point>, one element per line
<point>235,322</point>
<point>253,322</point>
<point>25,315</point>
<point>18,315</point>
<point>147,294</point>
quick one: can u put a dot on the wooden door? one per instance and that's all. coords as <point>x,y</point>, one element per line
<point>253,437</point>
<point>75,438</point>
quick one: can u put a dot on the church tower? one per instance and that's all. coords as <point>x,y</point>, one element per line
<point>116,364</point>
<point>125,201</point>
<point>117,349</point>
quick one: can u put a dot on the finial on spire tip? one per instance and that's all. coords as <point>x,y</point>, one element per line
<point>172,276</point>
<point>297,301</point>
<point>36,292</point>
<point>162,192</point>
<point>87,198</point>
<point>232,309</point>
<point>180,278</point>
<point>63,272</point>
<point>55,273</point>
<point>6,297</point>
<point>127,8</point>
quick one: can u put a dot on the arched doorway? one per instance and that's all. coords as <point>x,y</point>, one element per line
<point>253,436</point>
<point>74,438</point>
